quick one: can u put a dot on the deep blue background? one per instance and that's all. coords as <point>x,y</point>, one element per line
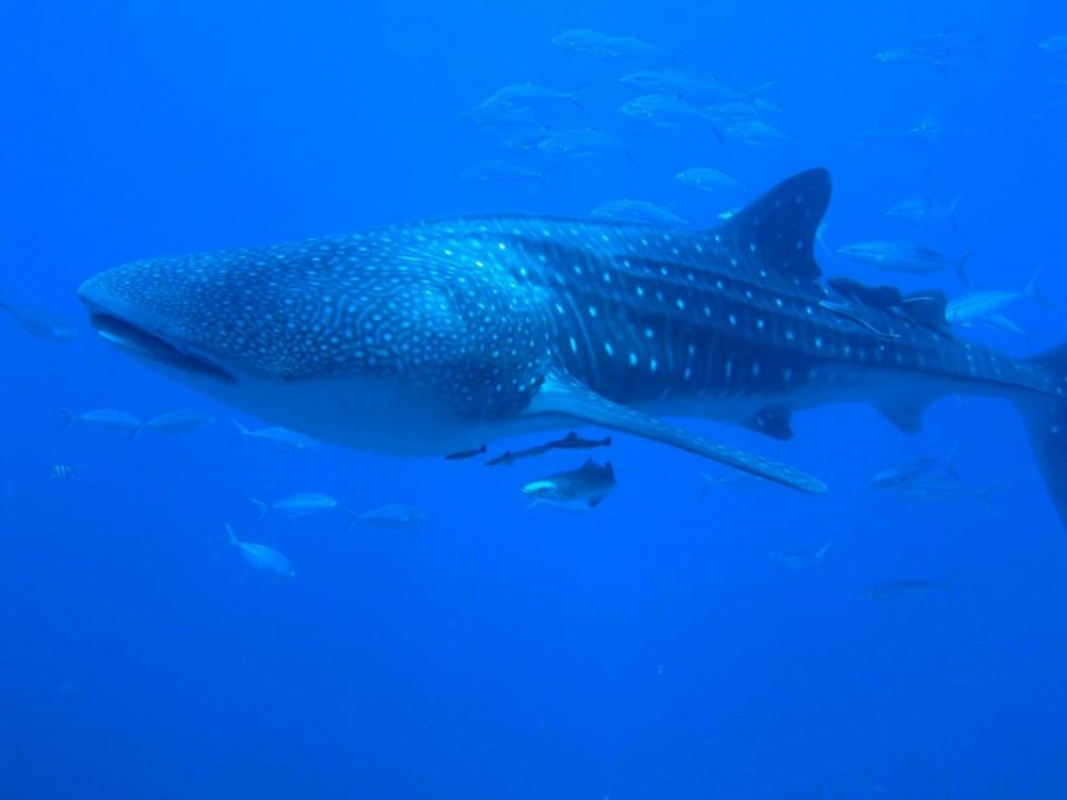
<point>651,649</point>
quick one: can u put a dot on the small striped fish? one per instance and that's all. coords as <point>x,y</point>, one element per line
<point>63,472</point>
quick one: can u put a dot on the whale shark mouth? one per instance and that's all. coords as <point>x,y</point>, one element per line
<point>144,343</point>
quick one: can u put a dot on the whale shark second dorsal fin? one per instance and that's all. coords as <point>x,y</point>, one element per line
<point>883,297</point>
<point>928,308</point>
<point>779,227</point>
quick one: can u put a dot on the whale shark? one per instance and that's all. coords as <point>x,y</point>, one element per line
<point>438,336</point>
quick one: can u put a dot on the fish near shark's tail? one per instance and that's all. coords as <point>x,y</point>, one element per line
<point>1046,421</point>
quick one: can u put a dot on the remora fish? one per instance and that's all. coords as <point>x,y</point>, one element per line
<point>572,441</point>
<point>464,454</point>
<point>575,490</point>
<point>419,339</point>
<point>509,457</point>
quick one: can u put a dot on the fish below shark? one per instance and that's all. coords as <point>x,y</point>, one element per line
<point>433,337</point>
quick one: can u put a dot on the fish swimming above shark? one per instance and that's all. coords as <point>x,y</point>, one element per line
<point>433,337</point>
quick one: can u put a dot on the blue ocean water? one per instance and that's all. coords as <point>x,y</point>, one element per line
<point>651,648</point>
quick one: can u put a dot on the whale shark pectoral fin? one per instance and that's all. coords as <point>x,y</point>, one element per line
<point>569,398</point>
<point>905,413</point>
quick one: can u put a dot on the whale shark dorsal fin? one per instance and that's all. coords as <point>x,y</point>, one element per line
<point>779,228</point>
<point>561,396</point>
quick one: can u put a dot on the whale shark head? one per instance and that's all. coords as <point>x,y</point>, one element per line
<point>339,337</point>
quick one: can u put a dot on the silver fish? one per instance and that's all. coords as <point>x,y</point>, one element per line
<point>181,421</point>
<point>979,304</point>
<point>1054,46</point>
<point>926,131</point>
<point>503,117</point>
<point>924,470</point>
<point>392,516</point>
<point>905,56</point>
<point>583,40</point>
<point>501,172</point>
<point>111,418</point>
<point>664,111</point>
<point>263,558</point>
<point>41,323</point>
<point>913,259</point>
<point>709,179</point>
<point>634,50</point>
<point>302,504</point>
<point>640,211</point>
<point>757,133</point>
<point>734,480</point>
<point>694,88</point>
<point>279,437</point>
<point>947,492</point>
<point>531,96</point>
<point>528,140</point>
<point>575,490</point>
<point>583,143</point>
<point>798,560</point>
<point>926,211</point>
<point>996,322</point>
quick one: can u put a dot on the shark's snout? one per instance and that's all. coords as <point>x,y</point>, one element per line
<point>138,334</point>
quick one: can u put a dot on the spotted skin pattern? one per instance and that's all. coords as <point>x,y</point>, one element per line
<point>500,317</point>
